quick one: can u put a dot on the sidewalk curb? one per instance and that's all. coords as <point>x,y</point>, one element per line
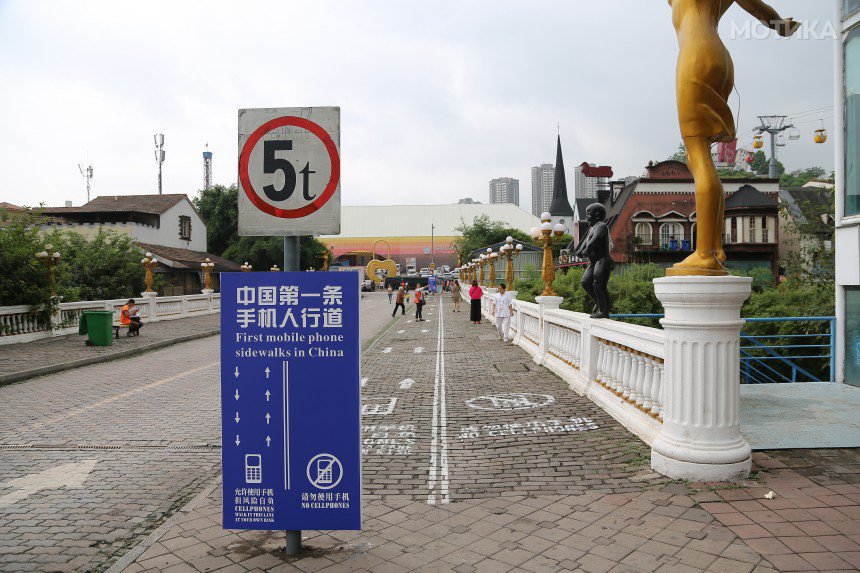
<point>132,554</point>
<point>22,375</point>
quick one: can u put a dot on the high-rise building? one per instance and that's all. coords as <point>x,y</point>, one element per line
<point>590,179</point>
<point>505,190</point>
<point>543,177</point>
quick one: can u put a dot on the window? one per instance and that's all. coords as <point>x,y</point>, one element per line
<point>644,233</point>
<point>852,121</point>
<point>670,232</point>
<point>852,335</point>
<point>849,7</point>
<point>751,237</point>
<point>733,234</point>
<point>185,227</point>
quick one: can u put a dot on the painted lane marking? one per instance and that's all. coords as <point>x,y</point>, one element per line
<point>529,428</point>
<point>364,382</point>
<point>115,397</point>
<point>419,350</point>
<point>510,402</point>
<point>424,331</point>
<point>382,407</point>
<point>437,481</point>
<point>400,331</point>
<point>71,475</point>
<point>407,384</point>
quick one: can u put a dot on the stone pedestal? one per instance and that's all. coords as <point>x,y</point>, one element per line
<point>700,438</point>
<point>208,290</point>
<point>152,294</point>
<point>546,303</point>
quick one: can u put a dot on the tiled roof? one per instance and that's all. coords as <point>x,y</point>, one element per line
<point>749,196</point>
<point>187,258</point>
<point>10,206</point>
<point>155,204</point>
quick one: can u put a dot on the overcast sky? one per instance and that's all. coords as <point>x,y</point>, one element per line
<point>437,97</point>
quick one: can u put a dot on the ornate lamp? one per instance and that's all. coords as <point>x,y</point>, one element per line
<point>547,235</point>
<point>509,252</point>
<point>246,268</point>
<point>207,267</point>
<point>491,258</point>
<point>50,260</point>
<point>150,263</point>
<point>274,269</point>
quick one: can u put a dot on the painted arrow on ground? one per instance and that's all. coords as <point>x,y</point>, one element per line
<point>387,350</point>
<point>400,331</point>
<point>424,331</point>
<point>71,475</point>
<point>419,350</point>
<point>407,384</point>
<point>364,382</point>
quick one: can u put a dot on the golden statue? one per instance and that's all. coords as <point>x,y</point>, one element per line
<point>705,78</point>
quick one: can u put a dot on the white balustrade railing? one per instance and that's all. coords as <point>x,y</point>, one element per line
<point>618,365</point>
<point>20,324</point>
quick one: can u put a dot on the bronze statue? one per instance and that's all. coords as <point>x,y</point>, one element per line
<point>705,78</point>
<point>595,247</point>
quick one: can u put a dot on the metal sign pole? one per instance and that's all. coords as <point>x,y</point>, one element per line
<point>291,254</point>
<point>294,542</point>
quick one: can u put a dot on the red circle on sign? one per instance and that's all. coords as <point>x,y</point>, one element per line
<point>245,157</point>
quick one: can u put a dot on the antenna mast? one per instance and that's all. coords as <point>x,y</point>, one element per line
<point>207,169</point>
<point>87,174</point>
<point>159,155</point>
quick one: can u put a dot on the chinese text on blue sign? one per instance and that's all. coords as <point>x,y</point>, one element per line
<point>290,401</point>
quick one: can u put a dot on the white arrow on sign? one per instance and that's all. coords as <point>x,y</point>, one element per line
<point>237,393</point>
<point>237,440</point>
<point>268,417</point>
<point>71,475</point>
<point>268,441</point>
<point>267,371</point>
<point>419,350</point>
<point>236,372</point>
<point>237,417</point>
<point>267,395</point>
<point>407,384</point>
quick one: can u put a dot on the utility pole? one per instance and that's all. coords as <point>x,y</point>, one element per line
<point>159,155</point>
<point>432,245</point>
<point>774,125</point>
<point>87,174</point>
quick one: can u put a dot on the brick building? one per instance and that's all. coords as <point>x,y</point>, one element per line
<point>653,219</point>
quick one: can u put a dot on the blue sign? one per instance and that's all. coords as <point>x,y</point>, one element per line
<point>290,405</point>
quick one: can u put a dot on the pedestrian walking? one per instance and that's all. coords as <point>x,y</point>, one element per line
<point>401,296</point>
<point>390,293</point>
<point>502,311</point>
<point>475,294</point>
<point>420,299</point>
<point>455,290</point>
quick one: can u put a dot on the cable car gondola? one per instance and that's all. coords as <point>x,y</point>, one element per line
<point>794,134</point>
<point>758,142</point>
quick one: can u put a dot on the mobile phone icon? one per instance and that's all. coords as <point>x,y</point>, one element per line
<point>253,468</point>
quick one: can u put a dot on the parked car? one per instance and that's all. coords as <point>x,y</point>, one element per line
<point>425,272</point>
<point>455,273</point>
<point>368,285</point>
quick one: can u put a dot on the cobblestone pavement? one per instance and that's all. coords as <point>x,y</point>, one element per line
<point>460,477</point>
<point>29,359</point>
<point>93,459</point>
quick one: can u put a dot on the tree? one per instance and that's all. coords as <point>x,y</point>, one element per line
<point>482,232</point>
<point>219,209</point>
<point>814,227</point>
<point>680,154</point>
<point>23,279</point>
<point>800,177</point>
<point>761,164</point>
<point>106,266</point>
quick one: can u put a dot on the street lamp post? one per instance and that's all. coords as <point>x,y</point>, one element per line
<point>150,263</point>
<point>274,269</point>
<point>50,260</point>
<point>491,258</point>
<point>207,267</point>
<point>509,253</point>
<point>547,234</point>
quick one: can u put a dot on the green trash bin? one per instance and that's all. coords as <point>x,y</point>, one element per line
<point>98,326</point>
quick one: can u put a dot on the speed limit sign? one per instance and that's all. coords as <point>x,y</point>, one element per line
<point>289,171</point>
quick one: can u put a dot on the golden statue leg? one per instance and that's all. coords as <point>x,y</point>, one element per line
<point>709,213</point>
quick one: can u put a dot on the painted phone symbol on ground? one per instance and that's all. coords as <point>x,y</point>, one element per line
<point>324,471</point>
<point>509,402</point>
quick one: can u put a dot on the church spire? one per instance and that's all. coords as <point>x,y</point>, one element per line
<point>560,204</point>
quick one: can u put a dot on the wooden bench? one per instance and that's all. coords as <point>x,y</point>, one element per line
<point>117,326</point>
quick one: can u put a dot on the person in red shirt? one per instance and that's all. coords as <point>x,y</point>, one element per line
<point>475,294</point>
